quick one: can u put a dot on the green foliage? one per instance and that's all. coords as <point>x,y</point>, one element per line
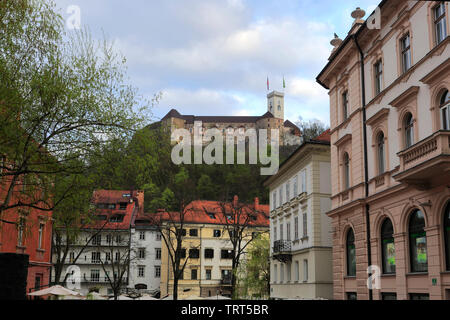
<point>254,273</point>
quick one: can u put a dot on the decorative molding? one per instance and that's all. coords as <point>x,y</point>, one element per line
<point>405,97</point>
<point>380,115</point>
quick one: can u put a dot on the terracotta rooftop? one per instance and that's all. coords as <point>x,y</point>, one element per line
<point>210,212</point>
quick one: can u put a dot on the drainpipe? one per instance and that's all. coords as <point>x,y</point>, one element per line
<point>366,172</point>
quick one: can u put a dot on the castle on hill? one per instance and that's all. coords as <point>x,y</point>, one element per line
<point>273,119</point>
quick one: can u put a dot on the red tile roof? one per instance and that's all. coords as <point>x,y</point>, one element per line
<point>114,197</point>
<point>210,212</point>
<point>324,136</point>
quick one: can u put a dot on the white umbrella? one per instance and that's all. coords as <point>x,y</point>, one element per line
<point>55,291</point>
<point>146,297</point>
<point>218,297</point>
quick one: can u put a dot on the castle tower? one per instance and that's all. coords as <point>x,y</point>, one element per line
<point>275,104</point>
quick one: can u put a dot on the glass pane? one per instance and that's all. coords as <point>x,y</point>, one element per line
<point>388,256</point>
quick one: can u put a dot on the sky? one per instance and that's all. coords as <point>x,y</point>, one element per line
<point>213,57</point>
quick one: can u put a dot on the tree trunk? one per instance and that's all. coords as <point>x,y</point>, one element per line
<point>175,289</point>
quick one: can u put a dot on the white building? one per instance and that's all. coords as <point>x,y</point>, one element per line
<point>145,269</point>
<point>102,250</point>
<point>300,230</point>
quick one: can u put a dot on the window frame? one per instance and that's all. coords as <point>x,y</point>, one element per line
<point>444,108</point>
<point>413,256</point>
<point>439,23</point>
<point>408,130</point>
<point>344,99</point>
<point>378,76</point>
<point>350,245</point>
<point>381,153</point>
<point>405,51</point>
<point>387,237</point>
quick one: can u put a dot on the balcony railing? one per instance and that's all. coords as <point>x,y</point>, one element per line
<point>282,246</point>
<point>426,163</point>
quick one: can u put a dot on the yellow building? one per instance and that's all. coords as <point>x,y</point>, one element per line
<point>207,247</point>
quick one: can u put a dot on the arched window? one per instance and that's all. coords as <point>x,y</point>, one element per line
<point>447,234</point>
<point>346,171</point>
<point>445,110</point>
<point>417,242</point>
<point>381,153</point>
<point>351,257</point>
<point>387,246</point>
<point>409,130</point>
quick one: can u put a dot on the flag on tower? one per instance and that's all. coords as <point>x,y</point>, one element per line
<point>267,83</point>
<point>284,83</point>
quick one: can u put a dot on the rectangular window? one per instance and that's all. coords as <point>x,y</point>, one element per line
<point>281,231</point>
<point>41,235</point>
<point>158,236</point>
<point>209,253</point>
<point>388,296</point>
<point>281,273</point>
<point>406,52</point>
<point>419,296</point>
<point>288,197</point>
<point>295,228</point>
<point>288,271</point>
<point>158,253</point>
<point>297,271</point>
<point>109,238</point>
<point>295,186</point>
<point>95,257</point>
<point>280,194</point>
<point>345,105</point>
<point>141,271</point>
<point>71,257</point>
<point>274,200</point>
<point>288,231</point>
<point>226,254</point>
<point>107,256</point>
<point>305,270</point>
<point>208,274</point>
<point>193,232</point>
<point>305,224</point>
<point>122,206</point>
<point>275,233</point>
<point>157,271</point>
<point>142,235</point>
<point>37,281</point>
<point>95,275</point>
<point>20,231</point>
<point>303,175</point>
<point>117,256</point>
<point>193,274</point>
<point>378,73</point>
<point>217,233</point>
<point>141,253</point>
<point>352,296</point>
<point>194,253</point>
<point>97,240</point>
<point>183,253</point>
<point>440,27</point>
<point>275,271</point>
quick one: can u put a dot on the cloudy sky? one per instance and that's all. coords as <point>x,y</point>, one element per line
<point>212,57</point>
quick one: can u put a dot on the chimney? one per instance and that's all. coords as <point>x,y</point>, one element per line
<point>256,203</point>
<point>235,201</point>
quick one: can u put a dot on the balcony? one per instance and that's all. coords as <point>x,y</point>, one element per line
<point>426,164</point>
<point>282,250</point>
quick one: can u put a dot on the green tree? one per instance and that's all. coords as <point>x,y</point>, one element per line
<point>254,273</point>
<point>62,96</point>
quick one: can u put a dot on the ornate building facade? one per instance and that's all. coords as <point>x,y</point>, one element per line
<point>390,153</point>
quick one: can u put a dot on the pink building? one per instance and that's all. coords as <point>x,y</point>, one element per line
<point>389,83</point>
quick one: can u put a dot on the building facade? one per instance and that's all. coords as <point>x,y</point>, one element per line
<point>300,230</point>
<point>145,269</point>
<point>25,230</point>
<point>105,244</point>
<point>289,133</point>
<point>208,248</point>
<point>390,152</point>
